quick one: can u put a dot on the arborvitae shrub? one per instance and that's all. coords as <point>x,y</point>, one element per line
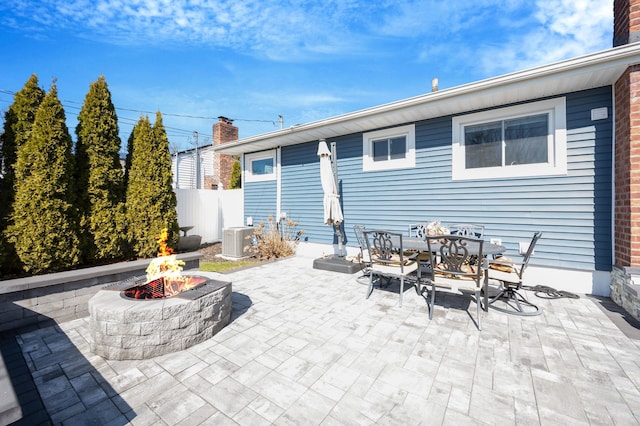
<point>44,226</point>
<point>150,201</point>
<point>99,176</point>
<point>18,121</point>
<point>235,182</point>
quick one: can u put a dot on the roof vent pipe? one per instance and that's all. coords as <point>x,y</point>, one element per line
<point>434,84</point>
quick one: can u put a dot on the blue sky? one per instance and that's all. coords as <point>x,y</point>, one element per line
<point>195,60</point>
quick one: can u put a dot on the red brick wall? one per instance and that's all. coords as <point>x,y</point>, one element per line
<point>626,21</point>
<point>627,168</point>
<point>223,131</point>
<point>626,29</point>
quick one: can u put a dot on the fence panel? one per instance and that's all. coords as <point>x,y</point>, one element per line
<point>209,211</point>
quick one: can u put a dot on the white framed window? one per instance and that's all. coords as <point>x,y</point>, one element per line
<point>389,149</point>
<point>260,166</point>
<point>523,140</point>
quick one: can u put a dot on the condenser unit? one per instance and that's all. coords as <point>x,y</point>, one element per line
<point>234,241</point>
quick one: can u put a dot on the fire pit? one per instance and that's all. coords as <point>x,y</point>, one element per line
<point>140,319</point>
<point>164,287</point>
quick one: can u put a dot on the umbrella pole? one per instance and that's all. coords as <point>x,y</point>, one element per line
<point>334,169</point>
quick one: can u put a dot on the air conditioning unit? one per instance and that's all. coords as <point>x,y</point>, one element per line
<point>234,241</point>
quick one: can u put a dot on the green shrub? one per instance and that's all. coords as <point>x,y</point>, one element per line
<point>44,227</point>
<point>99,177</point>
<point>235,182</point>
<point>18,121</point>
<point>150,200</point>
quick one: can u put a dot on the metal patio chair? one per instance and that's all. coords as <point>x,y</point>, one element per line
<point>467,230</point>
<point>454,268</point>
<point>418,230</point>
<point>365,258</point>
<point>510,277</point>
<point>388,258</point>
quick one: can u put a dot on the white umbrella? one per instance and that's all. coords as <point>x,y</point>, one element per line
<point>332,210</point>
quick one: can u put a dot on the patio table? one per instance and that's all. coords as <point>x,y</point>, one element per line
<point>421,245</point>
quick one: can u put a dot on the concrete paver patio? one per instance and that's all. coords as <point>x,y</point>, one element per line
<point>306,347</point>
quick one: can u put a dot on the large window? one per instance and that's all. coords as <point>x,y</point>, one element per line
<point>389,149</point>
<point>260,166</point>
<point>525,140</point>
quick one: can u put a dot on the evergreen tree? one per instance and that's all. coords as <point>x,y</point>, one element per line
<point>18,121</point>
<point>44,225</point>
<point>150,202</point>
<point>99,177</point>
<point>235,181</point>
<point>127,159</point>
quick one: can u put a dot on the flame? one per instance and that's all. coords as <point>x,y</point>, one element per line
<point>175,285</point>
<point>164,266</point>
<point>164,249</point>
<point>167,268</point>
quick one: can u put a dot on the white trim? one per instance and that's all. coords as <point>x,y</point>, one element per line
<point>597,283</point>
<point>278,167</point>
<point>557,141</point>
<point>409,161</point>
<point>249,158</point>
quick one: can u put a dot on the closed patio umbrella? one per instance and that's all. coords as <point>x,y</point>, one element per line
<point>332,210</point>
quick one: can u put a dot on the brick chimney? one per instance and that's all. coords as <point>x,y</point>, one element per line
<point>223,131</point>
<point>626,22</point>
<point>626,28</point>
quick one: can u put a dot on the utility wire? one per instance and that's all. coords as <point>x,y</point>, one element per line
<point>168,114</point>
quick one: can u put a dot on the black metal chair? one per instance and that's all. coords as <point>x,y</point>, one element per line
<point>454,268</point>
<point>388,258</point>
<point>509,300</point>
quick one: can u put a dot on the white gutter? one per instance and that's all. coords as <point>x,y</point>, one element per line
<point>605,66</point>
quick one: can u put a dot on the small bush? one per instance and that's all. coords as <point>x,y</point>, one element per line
<point>275,239</point>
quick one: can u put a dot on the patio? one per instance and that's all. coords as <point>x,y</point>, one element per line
<point>305,346</point>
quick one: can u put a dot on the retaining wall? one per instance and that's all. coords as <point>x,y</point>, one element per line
<point>63,296</point>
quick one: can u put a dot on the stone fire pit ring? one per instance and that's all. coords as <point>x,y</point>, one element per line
<point>123,328</point>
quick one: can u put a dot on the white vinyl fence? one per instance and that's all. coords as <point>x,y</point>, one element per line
<point>210,211</point>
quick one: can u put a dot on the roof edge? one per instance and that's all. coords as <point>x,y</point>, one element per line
<point>610,57</point>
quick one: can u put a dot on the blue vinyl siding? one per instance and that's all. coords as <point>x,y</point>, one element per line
<point>260,200</point>
<point>302,196</point>
<point>573,211</point>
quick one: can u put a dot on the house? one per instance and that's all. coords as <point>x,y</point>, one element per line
<point>568,167</point>
<point>201,167</point>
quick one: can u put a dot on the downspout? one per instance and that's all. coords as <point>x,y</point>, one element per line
<point>278,184</point>
<point>613,176</point>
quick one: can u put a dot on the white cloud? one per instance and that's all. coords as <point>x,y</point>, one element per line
<point>272,28</point>
<point>567,28</point>
<point>293,30</point>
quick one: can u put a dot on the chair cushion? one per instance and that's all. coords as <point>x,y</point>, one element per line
<point>456,284</point>
<point>510,277</point>
<point>394,268</point>
<point>502,263</point>
<point>441,268</point>
<point>395,259</point>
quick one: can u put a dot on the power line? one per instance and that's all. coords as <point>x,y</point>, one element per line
<point>168,114</point>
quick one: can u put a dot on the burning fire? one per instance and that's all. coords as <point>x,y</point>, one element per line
<point>168,269</point>
<point>164,250</point>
